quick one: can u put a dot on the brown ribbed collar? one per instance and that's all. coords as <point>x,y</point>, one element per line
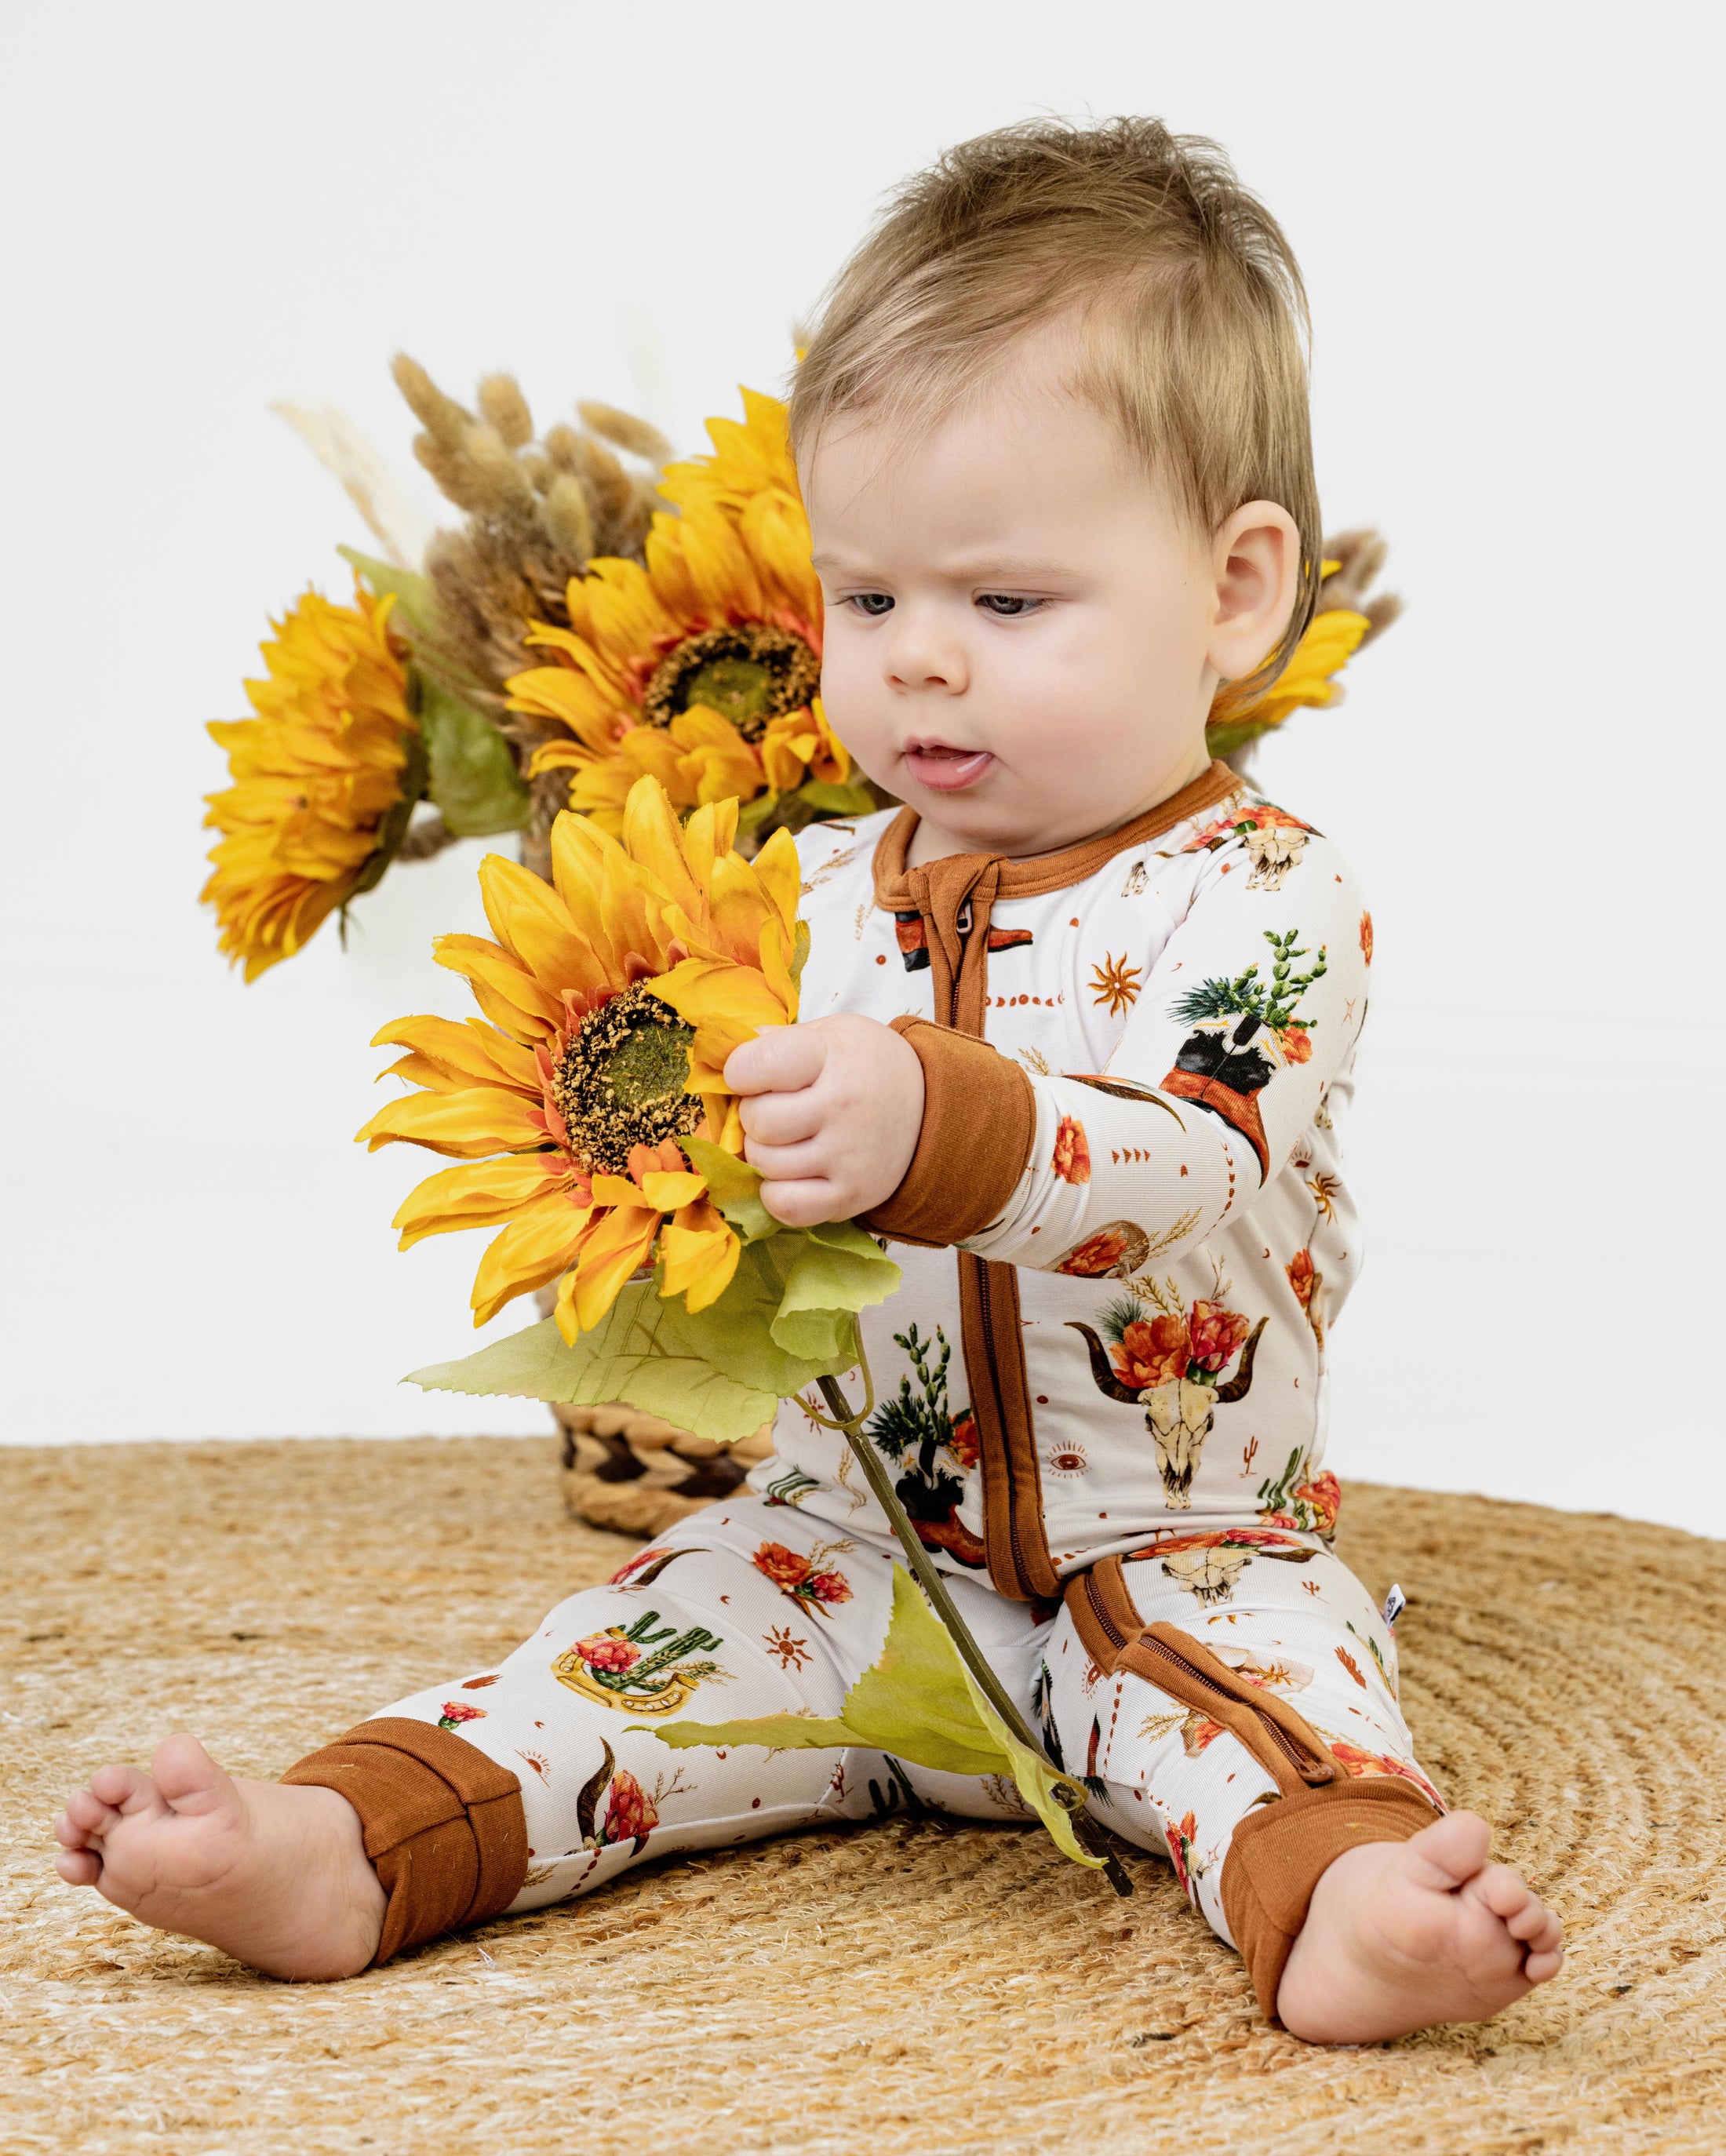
<point>1046,872</point>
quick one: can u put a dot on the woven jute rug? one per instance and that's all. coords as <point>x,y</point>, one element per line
<point>893,1989</point>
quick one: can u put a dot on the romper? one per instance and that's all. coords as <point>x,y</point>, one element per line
<point>1100,1390</point>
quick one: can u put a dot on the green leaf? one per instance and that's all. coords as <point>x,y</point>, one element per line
<point>628,1356</point>
<point>837,1271</point>
<point>919,1703</point>
<point>415,610</point>
<point>827,799</point>
<point>736,1335</point>
<point>472,775</point>
<point>735,1187</point>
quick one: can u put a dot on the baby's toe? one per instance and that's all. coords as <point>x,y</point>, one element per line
<point>1542,1967</point>
<point>1528,1923</point>
<point>1505,1892</point>
<point>122,1788</point>
<point>85,1814</point>
<point>78,1867</point>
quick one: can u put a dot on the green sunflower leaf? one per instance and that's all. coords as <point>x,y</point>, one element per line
<point>416,605</point>
<point>828,799</point>
<point>635,1355</point>
<point>919,1703</point>
<point>835,1272</point>
<point>734,1187</point>
<point>472,777</point>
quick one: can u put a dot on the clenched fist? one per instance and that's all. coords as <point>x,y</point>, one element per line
<point>831,1112</point>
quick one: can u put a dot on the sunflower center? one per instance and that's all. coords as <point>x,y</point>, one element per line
<point>619,1083</point>
<point>748,674</point>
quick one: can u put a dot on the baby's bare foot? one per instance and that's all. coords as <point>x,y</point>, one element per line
<point>1403,1934</point>
<point>276,1876</point>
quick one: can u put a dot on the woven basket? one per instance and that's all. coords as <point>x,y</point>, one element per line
<point>637,1474</point>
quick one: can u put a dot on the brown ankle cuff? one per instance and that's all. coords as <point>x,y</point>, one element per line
<point>1279,1854</point>
<point>443,1824</point>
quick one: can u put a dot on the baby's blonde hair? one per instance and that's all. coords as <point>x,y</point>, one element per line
<point>1192,314</point>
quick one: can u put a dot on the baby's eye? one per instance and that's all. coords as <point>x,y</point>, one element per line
<point>871,605</point>
<point>1006,604</point>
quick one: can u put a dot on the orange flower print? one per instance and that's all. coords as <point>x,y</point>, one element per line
<point>1072,1155</point>
<point>458,1710</point>
<point>783,1566</point>
<point>1198,1731</point>
<point>963,1438</point>
<point>1179,1840</point>
<point>1366,938</point>
<point>1363,1764</point>
<point>1295,1044</point>
<point>631,1815</point>
<point>809,1580</point>
<point>1152,1351</point>
<point>1300,1278</point>
<point>1098,1255</point>
<point>1115,984</point>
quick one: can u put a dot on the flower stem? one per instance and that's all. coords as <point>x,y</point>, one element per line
<point>928,1578</point>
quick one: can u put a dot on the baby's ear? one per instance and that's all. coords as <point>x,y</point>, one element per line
<point>1256,561</point>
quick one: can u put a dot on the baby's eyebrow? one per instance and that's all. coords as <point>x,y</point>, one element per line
<point>965,569</point>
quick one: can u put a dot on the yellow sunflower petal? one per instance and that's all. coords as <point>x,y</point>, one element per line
<point>776,868</point>
<point>479,1193</point>
<point>530,1252</point>
<point>502,986</point>
<point>473,1051</point>
<point>463,1126</point>
<point>669,1191</point>
<point>701,1254</point>
<point>726,1004</point>
<point>532,923</point>
<point>611,1250</point>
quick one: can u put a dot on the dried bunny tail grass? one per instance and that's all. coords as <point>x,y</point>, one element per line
<point>537,512</point>
<point>508,489</point>
<point>566,517</point>
<point>1359,556</point>
<point>443,419</point>
<point>503,406</point>
<point>639,437</point>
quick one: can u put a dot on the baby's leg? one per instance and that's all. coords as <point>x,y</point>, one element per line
<point>1212,1693</point>
<point>510,1788</point>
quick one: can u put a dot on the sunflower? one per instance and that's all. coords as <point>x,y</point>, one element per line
<point>323,778</point>
<point>700,668</point>
<point>611,999</point>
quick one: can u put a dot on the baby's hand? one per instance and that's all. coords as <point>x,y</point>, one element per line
<point>831,1112</point>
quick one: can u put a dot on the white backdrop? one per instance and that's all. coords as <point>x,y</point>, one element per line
<point>1504,220</point>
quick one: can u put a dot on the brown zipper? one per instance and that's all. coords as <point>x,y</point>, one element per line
<point>1111,1632</point>
<point>955,898</point>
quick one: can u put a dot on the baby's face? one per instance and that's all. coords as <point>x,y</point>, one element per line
<point>1017,624</point>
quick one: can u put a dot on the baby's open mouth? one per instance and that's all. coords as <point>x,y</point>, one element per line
<point>944,767</point>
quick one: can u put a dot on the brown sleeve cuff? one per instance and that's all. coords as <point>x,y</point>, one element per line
<point>1279,1854</point>
<point>980,1117</point>
<point>443,1824</point>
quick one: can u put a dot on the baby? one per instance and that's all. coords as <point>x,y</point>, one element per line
<point>1079,1025</point>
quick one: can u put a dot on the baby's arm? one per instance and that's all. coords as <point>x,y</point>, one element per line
<point>1252,1007</point>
